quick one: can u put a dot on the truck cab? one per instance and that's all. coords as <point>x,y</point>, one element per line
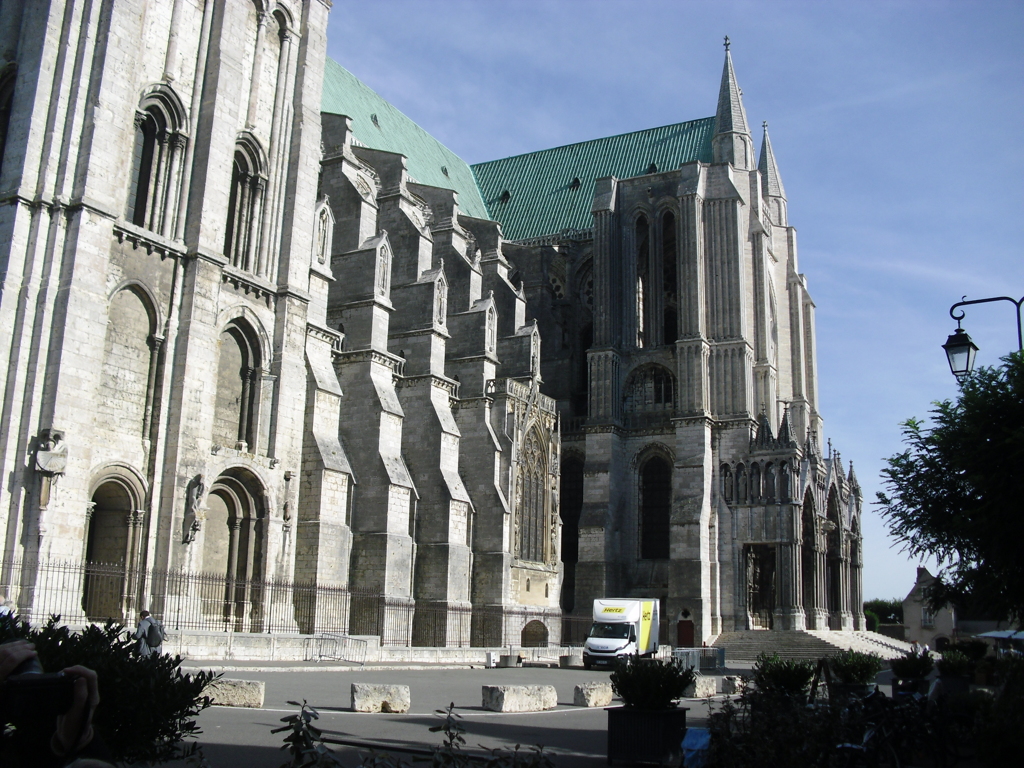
<point>622,627</point>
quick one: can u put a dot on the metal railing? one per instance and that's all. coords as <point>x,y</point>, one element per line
<point>83,593</point>
<point>700,658</point>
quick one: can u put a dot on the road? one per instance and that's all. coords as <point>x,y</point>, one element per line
<point>575,736</point>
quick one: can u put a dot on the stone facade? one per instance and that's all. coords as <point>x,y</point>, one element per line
<point>239,341</point>
<point>682,355</point>
<point>254,348</point>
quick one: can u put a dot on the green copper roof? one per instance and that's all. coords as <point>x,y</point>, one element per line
<point>542,197</point>
<point>429,161</point>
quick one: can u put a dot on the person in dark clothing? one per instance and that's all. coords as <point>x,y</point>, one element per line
<point>50,743</point>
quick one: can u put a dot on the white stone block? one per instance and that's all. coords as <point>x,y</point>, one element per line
<point>701,688</point>
<point>733,685</point>
<point>237,693</point>
<point>367,697</point>
<point>592,695</point>
<point>519,698</point>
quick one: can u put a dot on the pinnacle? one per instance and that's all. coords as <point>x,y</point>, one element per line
<point>769,169</point>
<point>731,117</point>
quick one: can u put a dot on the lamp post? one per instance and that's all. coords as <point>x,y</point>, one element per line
<point>960,350</point>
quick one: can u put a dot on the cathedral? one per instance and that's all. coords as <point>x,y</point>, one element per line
<point>278,361</point>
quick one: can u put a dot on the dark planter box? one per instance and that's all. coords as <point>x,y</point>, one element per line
<point>646,736</point>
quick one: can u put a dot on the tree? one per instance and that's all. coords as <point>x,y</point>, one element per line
<point>957,492</point>
<point>880,611</point>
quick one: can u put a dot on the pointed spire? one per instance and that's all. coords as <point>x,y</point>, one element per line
<point>769,170</point>
<point>783,437</point>
<point>764,437</point>
<point>730,116</point>
<point>731,119</point>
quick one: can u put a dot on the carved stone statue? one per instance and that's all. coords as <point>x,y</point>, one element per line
<point>51,461</point>
<point>194,516</point>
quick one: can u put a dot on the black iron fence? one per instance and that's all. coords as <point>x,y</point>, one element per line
<point>203,602</point>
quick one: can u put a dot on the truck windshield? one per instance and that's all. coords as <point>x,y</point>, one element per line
<point>609,630</point>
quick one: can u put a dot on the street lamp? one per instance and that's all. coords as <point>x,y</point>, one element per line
<point>960,350</point>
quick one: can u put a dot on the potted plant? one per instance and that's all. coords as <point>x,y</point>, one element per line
<point>783,677</point>
<point>649,726</point>
<point>954,672</point>
<point>909,672</point>
<point>853,673</point>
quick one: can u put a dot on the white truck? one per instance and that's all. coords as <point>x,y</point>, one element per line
<point>622,627</point>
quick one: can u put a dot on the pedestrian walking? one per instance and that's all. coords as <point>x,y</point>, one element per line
<point>150,634</point>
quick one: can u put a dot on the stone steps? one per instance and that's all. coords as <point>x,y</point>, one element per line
<point>811,644</point>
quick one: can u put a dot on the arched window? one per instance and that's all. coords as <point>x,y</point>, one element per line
<point>769,482</point>
<point>784,482</point>
<point>581,396</point>
<point>755,482</point>
<point>571,505</point>
<point>655,508</point>
<point>6,104</point>
<point>651,388</point>
<point>643,249</point>
<point>239,377</point>
<point>492,330</point>
<point>245,207</point>
<point>532,527</point>
<point>669,277</point>
<point>128,375</point>
<point>155,184</point>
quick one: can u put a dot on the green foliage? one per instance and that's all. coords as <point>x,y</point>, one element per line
<point>913,666</point>
<point>306,746</point>
<point>999,733</point>
<point>304,741</point>
<point>885,611</point>
<point>787,677</point>
<point>147,706</point>
<point>954,664</point>
<point>854,667</point>
<point>975,650</point>
<point>651,683</point>
<point>955,492</point>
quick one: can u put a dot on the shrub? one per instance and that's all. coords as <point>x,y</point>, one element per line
<point>147,706</point>
<point>651,683</point>
<point>913,666</point>
<point>789,677</point>
<point>954,664</point>
<point>854,667</point>
<point>975,650</point>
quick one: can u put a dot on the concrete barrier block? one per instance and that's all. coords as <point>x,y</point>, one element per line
<point>733,685</point>
<point>380,698</point>
<point>519,698</point>
<point>592,695</point>
<point>237,693</point>
<point>701,688</point>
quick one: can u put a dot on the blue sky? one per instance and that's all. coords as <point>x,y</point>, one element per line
<point>897,127</point>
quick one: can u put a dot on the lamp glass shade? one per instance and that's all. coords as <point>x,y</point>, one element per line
<point>960,352</point>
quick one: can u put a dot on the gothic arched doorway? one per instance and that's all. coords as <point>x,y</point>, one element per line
<point>534,635</point>
<point>808,562</point>
<point>234,550</point>
<point>110,541</point>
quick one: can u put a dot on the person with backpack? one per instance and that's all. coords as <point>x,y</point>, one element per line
<point>150,634</point>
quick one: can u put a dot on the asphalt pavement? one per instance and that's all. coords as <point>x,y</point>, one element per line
<point>575,736</point>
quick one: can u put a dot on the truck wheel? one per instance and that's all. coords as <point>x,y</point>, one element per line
<point>587,664</point>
